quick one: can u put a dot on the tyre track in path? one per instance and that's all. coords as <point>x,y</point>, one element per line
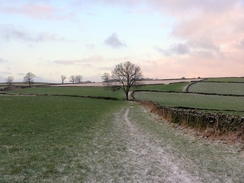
<point>157,165</point>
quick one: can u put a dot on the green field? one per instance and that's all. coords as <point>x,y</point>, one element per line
<point>226,79</point>
<point>220,88</point>
<point>177,87</point>
<point>41,137</point>
<point>82,91</point>
<point>67,139</point>
<point>212,102</point>
<point>95,91</point>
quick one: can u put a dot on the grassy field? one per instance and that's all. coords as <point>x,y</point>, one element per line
<point>82,91</point>
<point>65,139</point>
<point>194,100</point>
<point>177,87</point>
<point>220,88</point>
<point>226,79</point>
<point>96,91</point>
<point>26,84</point>
<point>41,137</point>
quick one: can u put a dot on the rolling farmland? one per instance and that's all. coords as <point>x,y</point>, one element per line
<point>64,139</point>
<point>68,139</point>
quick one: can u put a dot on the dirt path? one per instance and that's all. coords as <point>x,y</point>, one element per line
<point>152,162</point>
<point>136,148</point>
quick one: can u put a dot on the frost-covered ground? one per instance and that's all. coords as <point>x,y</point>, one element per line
<point>137,148</point>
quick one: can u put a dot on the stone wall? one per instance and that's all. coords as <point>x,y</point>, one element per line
<point>218,123</point>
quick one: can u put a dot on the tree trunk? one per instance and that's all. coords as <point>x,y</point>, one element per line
<point>127,95</point>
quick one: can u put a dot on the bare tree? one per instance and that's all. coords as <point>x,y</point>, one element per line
<point>78,78</point>
<point>63,77</point>
<point>72,79</point>
<point>9,80</point>
<point>29,78</point>
<point>124,77</point>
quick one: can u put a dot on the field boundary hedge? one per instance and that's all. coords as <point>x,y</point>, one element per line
<point>211,125</point>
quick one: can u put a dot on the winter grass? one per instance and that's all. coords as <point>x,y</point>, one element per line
<point>212,102</point>
<point>96,91</point>
<point>219,88</point>
<point>136,147</point>
<point>42,138</point>
<point>82,91</point>
<point>63,139</point>
<point>226,79</point>
<point>177,87</point>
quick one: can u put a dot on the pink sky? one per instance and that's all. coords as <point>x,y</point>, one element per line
<point>168,39</point>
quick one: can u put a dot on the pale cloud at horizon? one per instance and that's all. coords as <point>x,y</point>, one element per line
<point>166,38</point>
<point>9,32</point>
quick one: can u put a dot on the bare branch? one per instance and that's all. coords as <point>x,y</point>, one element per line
<point>124,77</point>
<point>29,78</point>
<point>9,80</point>
<point>63,78</point>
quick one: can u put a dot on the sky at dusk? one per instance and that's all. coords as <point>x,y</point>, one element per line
<point>166,38</point>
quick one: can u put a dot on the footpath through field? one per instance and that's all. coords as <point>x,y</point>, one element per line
<point>137,148</point>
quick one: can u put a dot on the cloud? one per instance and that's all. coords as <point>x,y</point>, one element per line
<point>90,46</point>
<point>242,42</point>
<point>6,73</point>
<point>203,45</point>
<point>84,61</point>
<point>66,62</point>
<point>177,49</point>
<point>203,48</point>
<point>2,60</point>
<point>192,66</point>
<point>190,7</point>
<point>21,74</point>
<point>144,11</point>
<point>176,8</point>
<point>114,41</point>
<point>36,10</point>
<point>48,37</point>
<point>2,79</point>
<point>10,32</point>
<point>95,58</point>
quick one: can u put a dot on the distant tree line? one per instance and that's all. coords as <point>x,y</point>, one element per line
<point>72,79</point>
<point>29,79</point>
<point>124,77</point>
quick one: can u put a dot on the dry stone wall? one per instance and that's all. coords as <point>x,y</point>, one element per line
<point>218,123</point>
